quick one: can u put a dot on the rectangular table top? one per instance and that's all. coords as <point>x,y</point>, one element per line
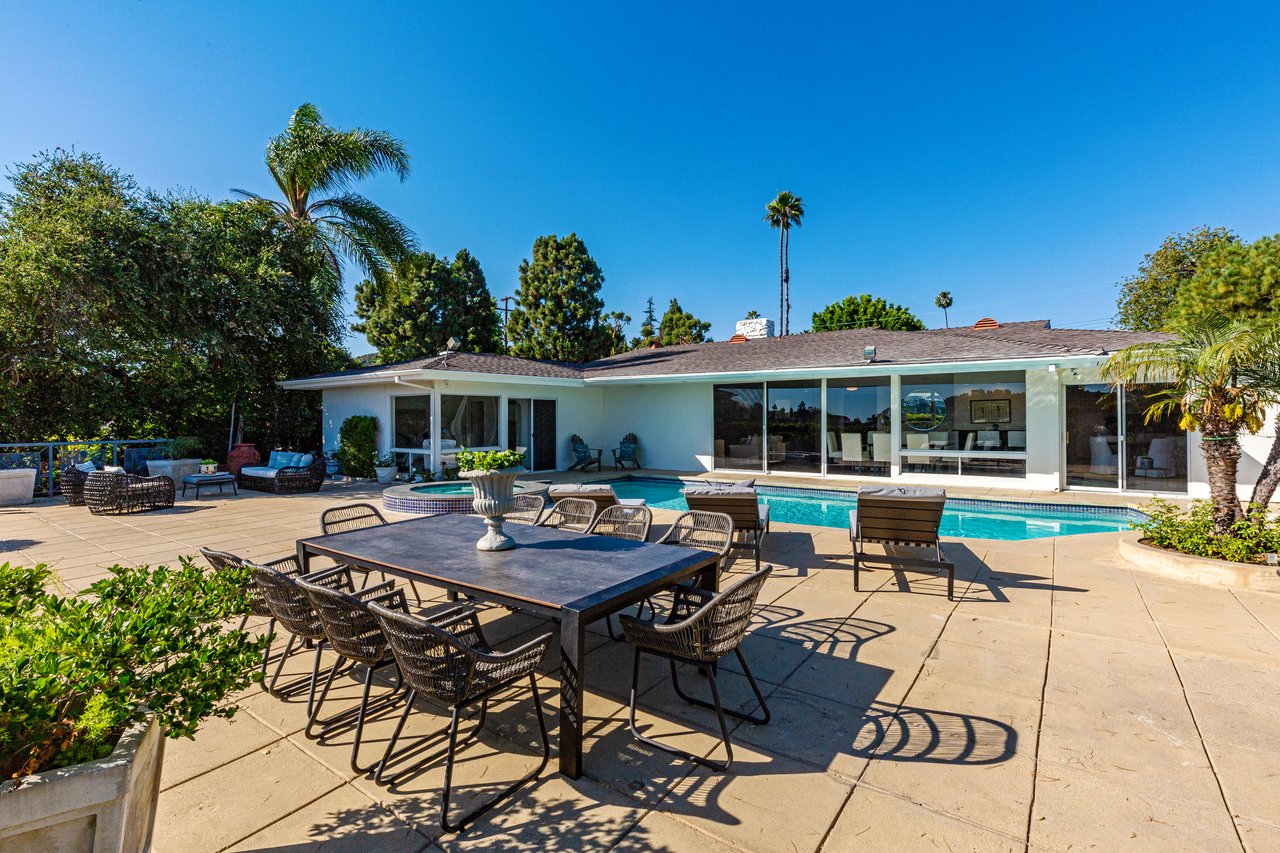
<point>221,476</point>
<point>548,567</point>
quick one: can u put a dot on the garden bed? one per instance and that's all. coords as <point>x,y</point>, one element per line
<point>1205,570</point>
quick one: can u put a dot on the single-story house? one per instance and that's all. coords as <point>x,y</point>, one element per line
<point>1013,405</point>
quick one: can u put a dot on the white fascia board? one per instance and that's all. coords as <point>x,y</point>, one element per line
<point>875,368</point>
<point>379,377</point>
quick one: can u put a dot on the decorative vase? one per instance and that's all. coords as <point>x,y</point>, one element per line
<point>209,469</point>
<point>495,496</point>
<point>241,456</point>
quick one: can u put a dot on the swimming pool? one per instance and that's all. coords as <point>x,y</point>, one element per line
<point>975,519</point>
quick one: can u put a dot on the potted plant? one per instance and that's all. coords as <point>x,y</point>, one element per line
<point>208,466</point>
<point>384,467</point>
<point>91,683</point>
<point>493,479</point>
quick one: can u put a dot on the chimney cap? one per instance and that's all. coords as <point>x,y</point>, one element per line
<point>986,323</point>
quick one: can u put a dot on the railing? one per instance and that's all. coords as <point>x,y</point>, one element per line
<point>47,456</point>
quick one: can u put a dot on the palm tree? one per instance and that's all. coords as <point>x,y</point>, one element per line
<point>311,157</point>
<point>944,301</point>
<point>1206,367</point>
<point>783,212</point>
<point>1258,348</point>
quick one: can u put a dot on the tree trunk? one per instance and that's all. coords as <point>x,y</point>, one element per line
<point>1269,478</point>
<point>786,281</point>
<point>1221,460</point>
<point>782,282</point>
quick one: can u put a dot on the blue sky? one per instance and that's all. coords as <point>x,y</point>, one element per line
<point>1022,156</point>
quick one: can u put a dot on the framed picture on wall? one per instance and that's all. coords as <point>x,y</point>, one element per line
<point>990,412</point>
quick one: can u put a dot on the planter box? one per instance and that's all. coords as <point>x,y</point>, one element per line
<point>17,486</point>
<point>104,806</point>
<point>1184,567</point>
<point>386,475</point>
<point>174,469</point>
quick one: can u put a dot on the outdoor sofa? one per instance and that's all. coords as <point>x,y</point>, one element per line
<point>285,473</point>
<point>118,493</point>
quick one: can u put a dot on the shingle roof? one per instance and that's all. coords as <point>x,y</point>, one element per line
<point>1031,339</point>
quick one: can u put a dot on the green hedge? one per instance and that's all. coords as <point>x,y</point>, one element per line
<point>358,445</point>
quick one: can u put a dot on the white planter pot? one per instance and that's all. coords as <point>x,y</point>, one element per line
<point>495,496</point>
<point>174,469</point>
<point>386,475</point>
<point>103,806</point>
<point>17,486</point>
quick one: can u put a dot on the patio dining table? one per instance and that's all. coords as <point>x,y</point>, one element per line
<point>575,578</point>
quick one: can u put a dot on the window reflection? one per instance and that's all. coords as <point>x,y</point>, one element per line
<point>859,424</point>
<point>978,414</point>
<point>795,420</point>
<point>738,427</point>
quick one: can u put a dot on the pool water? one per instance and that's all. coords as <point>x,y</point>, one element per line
<point>975,519</point>
<point>444,489</point>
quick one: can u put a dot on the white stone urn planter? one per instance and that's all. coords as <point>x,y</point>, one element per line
<point>17,486</point>
<point>495,497</point>
<point>386,475</point>
<point>174,469</point>
<point>103,806</point>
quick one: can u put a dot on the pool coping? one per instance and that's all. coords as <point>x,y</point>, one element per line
<point>403,499</point>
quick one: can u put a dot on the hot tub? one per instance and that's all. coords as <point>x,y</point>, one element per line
<point>449,496</point>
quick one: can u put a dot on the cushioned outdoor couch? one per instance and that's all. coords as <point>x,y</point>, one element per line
<point>285,473</point>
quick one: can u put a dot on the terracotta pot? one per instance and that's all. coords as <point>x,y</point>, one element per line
<point>495,496</point>
<point>241,455</point>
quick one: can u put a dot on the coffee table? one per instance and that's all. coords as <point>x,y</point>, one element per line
<point>204,480</point>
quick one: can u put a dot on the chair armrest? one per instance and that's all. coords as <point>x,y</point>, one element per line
<point>853,525</point>
<point>515,663</point>
<point>284,565</point>
<point>339,577</point>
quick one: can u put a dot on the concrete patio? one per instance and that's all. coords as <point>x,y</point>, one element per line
<point>1066,702</point>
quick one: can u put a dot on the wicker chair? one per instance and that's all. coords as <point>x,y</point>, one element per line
<point>451,661</point>
<point>750,517</point>
<point>574,514</point>
<point>72,484</point>
<point>112,493</point>
<point>701,628</point>
<point>528,509</point>
<point>707,531</point>
<point>624,522</point>
<point>353,632</point>
<point>360,516</point>
<point>292,609</point>
<point>220,560</point>
<point>289,480</point>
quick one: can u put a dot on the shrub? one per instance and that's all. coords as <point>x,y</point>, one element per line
<point>358,445</point>
<point>489,460</point>
<point>1191,532</point>
<point>76,671</point>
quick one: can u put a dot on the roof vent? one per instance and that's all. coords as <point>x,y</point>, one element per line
<point>986,323</point>
<point>739,338</point>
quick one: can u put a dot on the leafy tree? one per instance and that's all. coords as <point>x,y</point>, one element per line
<point>1203,367</point>
<point>784,212</point>
<point>944,301</point>
<point>865,311</point>
<point>559,312</point>
<point>1237,280</point>
<point>616,327</point>
<point>752,314</point>
<point>311,157</point>
<point>413,308</point>
<point>680,327</point>
<point>648,327</point>
<point>1146,300</point>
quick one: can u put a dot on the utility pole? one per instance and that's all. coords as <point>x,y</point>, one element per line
<point>506,315</point>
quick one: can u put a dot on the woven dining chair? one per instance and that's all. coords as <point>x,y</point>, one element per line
<point>624,522</point>
<point>701,628</point>
<point>706,531</point>
<point>341,519</point>
<point>527,509</point>
<point>220,560</point>
<point>293,611</point>
<point>451,661</point>
<point>574,514</point>
<point>353,632</point>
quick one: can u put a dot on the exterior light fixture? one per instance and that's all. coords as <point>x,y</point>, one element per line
<point>452,344</point>
<point>869,353</point>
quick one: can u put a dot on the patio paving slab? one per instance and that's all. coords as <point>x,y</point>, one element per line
<point>876,820</point>
<point>344,821</point>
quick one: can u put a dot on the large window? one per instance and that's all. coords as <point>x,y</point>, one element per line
<point>412,415</point>
<point>739,426</point>
<point>977,420</point>
<point>795,426</point>
<point>859,423</point>
<point>470,421</point>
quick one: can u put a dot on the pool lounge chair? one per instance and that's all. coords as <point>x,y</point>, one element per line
<point>602,493</point>
<point>750,517</point>
<point>900,515</point>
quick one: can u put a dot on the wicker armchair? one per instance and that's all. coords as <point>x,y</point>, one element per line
<point>701,628</point>
<point>528,509</point>
<point>706,531</point>
<point>72,484</point>
<point>290,480</point>
<point>220,560</point>
<point>624,522</point>
<point>574,514</point>
<point>292,609</point>
<point>341,519</point>
<point>112,493</point>
<point>451,661</point>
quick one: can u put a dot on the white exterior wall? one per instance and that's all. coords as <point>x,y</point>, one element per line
<point>673,422</point>
<point>1044,429</point>
<point>338,404</point>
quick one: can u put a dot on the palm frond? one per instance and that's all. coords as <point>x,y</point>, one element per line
<point>380,229</point>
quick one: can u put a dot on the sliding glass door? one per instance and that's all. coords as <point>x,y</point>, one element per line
<point>531,429</point>
<point>795,425</point>
<point>1110,444</point>
<point>738,426</point>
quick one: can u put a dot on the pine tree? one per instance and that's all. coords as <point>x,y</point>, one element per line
<point>648,328</point>
<point>680,327</point>
<point>559,313</point>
